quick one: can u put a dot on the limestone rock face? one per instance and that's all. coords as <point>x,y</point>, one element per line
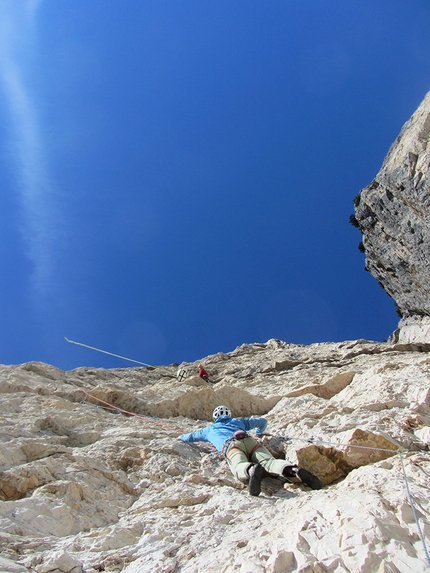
<point>393,215</point>
<point>87,487</point>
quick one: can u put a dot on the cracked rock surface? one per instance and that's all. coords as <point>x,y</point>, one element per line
<point>393,215</point>
<point>85,487</point>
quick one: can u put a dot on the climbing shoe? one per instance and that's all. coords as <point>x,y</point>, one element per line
<point>309,479</point>
<point>255,473</point>
<point>290,471</point>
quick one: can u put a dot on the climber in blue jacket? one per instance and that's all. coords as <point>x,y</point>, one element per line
<point>246,457</point>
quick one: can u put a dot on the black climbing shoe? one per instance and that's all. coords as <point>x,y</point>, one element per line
<point>255,476</point>
<point>309,479</point>
<point>290,471</point>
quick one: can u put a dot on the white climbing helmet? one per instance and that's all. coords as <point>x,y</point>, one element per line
<point>220,411</point>
<point>182,374</point>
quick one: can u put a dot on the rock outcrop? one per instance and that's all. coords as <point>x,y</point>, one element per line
<point>393,215</point>
<point>86,487</point>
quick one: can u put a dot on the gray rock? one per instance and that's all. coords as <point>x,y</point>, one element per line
<point>393,215</point>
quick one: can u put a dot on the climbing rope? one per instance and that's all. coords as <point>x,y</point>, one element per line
<point>153,420</point>
<point>399,451</point>
<point>110,353</point>
<point>115,408</point>
<point>150,366</point>
<point>411,503</point>
<point>335,444</point>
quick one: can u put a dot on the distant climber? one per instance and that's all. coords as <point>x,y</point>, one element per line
<point>203,374</point>
<point>246,457</point>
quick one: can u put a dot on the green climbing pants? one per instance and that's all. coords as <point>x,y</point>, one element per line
<point>240,453</point>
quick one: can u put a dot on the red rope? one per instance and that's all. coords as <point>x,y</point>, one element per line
<point>130,413</point>
<point>166,426</point>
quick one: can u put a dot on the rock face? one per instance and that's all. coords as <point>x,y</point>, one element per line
<point>393,215</point>
<point>86,487</point>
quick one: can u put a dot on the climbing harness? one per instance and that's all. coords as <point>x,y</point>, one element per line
<point>238,435</point>
<point>230,444</point>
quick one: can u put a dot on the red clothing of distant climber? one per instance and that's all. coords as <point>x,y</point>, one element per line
<point>202,373</point>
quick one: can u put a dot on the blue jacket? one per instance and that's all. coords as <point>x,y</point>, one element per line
<point>223,429</point>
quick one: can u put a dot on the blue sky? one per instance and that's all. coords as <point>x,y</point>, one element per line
<point>177,176</point>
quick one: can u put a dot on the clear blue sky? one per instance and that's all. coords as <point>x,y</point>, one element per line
<point>176,177</point>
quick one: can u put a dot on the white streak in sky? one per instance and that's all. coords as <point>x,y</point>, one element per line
<point>38,219</point>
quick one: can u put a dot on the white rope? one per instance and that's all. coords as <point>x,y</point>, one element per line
<point>411,503</point>
<point>405,477</point>
<point>337,444</point>
<point>110,353</point>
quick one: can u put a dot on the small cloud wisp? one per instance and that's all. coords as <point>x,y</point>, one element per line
<point>39,219</point>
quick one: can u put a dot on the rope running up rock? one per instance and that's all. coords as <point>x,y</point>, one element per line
<point>399,451</point>
<point>146,418</point>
